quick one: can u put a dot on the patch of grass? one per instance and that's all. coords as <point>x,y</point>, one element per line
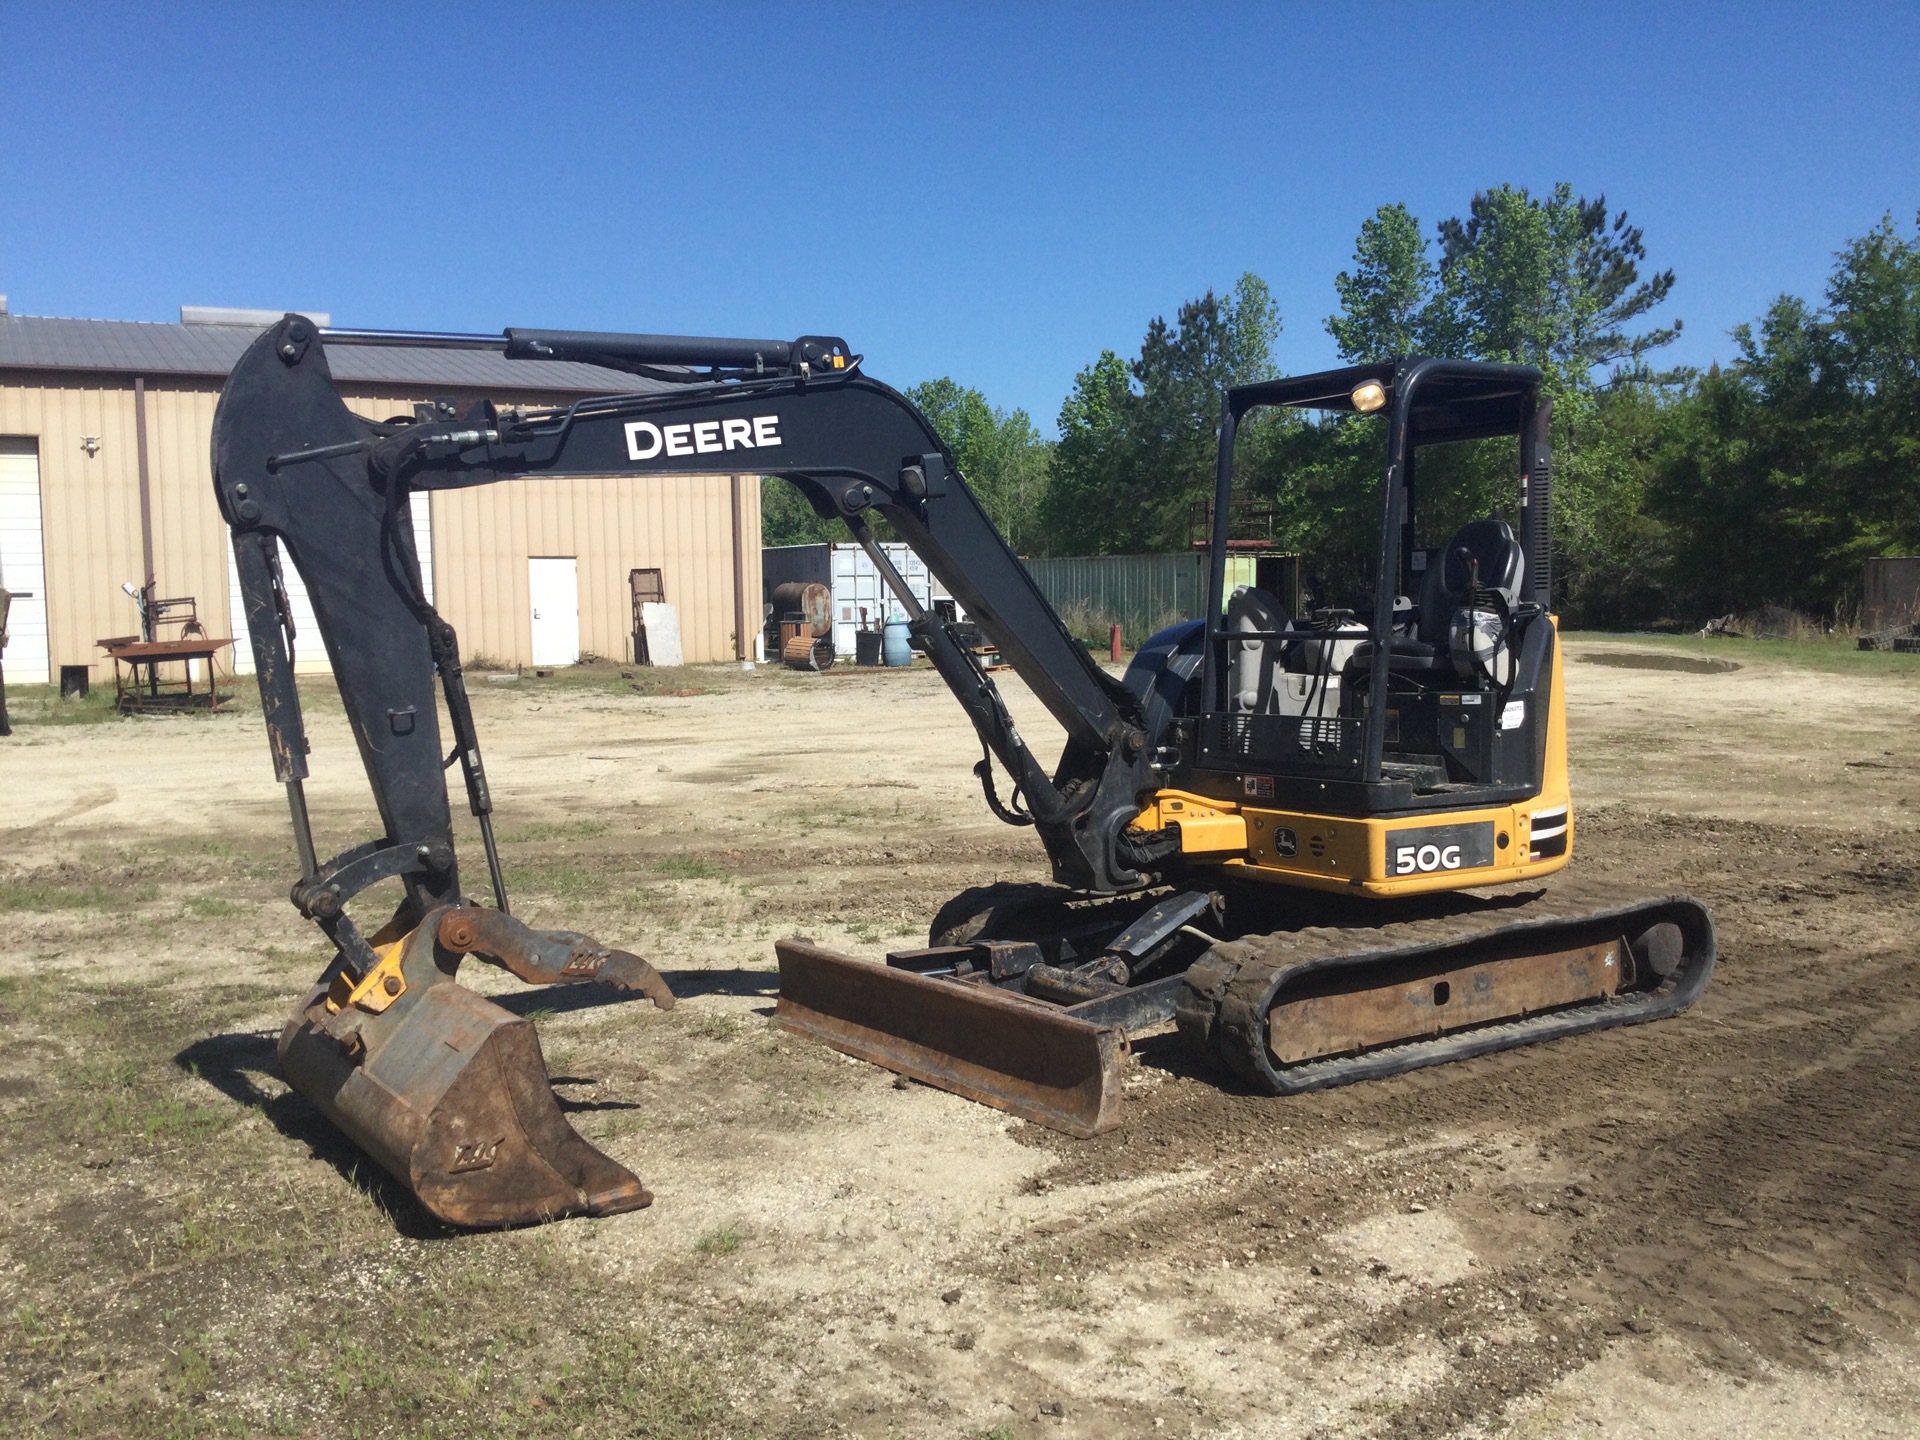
<point>716,1025</point>
<point>242,1295</point>
<point>42,705</point>
<point>33,895</point>
<point>1835,654</point>
<point>176,1119</point>
<point>588,828</point>
<point>211,907</point>
<point>1064,1297</point>
<point>723,1241</point>
<point>195,1238</point>
<point>562,879</point>
<point>687,867</point>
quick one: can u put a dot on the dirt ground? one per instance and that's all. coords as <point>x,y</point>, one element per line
<point>1705,1227</point>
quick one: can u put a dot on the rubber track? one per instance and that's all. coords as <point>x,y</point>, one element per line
<point>1222,1009</point>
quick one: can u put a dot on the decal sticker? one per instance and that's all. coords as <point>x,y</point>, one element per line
<point>645,440</point>
<point>1431,849</point>
<point>1259,787</point>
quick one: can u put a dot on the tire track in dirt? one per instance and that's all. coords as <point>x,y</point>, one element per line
<point>1745,1176</point>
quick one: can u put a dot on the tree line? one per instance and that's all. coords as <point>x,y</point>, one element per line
<point>1679,493</point>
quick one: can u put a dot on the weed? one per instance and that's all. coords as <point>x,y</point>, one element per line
<point>210,907</point>
<point>716,1025</point>
<point>172,1119</point>
<point>1063,1297</point>
<point>686,867</point>
<point>723,1241</point>
<point>195,1238</point>
<point>193,1367</point>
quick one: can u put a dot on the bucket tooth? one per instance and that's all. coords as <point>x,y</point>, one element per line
<point>1027,1059</point>
<point>450,1094</point>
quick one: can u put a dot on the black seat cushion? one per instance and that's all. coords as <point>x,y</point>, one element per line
<point>1443,589</point>
<point>1501,560</point>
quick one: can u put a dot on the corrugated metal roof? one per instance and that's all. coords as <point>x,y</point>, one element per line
<point>39,342</point>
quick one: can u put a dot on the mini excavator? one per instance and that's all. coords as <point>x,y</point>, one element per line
<point>1298,838</point>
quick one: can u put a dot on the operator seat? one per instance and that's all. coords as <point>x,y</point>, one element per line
<point>1443,590</point>
<point>1502,569</point>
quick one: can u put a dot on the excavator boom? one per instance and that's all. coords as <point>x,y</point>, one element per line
<point>478,1138</point>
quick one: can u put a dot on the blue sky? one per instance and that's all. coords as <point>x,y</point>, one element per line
<point>994,192</point>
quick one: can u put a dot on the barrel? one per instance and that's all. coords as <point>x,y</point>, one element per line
<point>803,652</point>
<point>866,647</point>
<point>894,644</point>
<point>810,601</point>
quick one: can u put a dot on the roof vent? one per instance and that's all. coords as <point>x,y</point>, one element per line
<point>252,319</point>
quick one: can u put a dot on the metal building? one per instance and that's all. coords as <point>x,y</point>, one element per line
<point>105,433</point>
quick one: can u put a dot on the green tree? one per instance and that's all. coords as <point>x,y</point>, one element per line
<point>1137,442</point>
<point>1384,298</point>
<point>1089,459</point>
<point>1001,454</point>
<point>1554,282</point>
<point>1798,462</point>
<point>787,519</point>
<point>1546,282</point>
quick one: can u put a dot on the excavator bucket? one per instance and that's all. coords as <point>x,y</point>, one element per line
<point>1028,1059</point>
<point>448,1091</point>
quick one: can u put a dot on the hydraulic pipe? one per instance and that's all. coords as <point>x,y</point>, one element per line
<point>587,345</point>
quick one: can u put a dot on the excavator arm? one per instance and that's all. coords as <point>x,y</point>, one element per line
<point>294,467</point>
<point>291,461</point>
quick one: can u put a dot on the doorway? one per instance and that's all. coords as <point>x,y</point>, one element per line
<point>22,561</point>
<point>553,588</point>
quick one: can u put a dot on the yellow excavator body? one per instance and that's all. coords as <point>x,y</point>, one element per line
<point>1384,856</point>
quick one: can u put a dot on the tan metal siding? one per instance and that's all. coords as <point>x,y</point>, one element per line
<point>610,524</point>
<point>189,538</point>
<point>482,537</point>
<point>89,510</point>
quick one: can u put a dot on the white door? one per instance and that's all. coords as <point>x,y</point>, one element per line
<point>23,567</point>
<point>553,584</point>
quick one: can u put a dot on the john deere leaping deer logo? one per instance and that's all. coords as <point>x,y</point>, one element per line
<point>475,1154</point>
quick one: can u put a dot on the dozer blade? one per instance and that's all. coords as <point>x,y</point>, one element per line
<point>448,1092</point>
<point>1016,1055</point>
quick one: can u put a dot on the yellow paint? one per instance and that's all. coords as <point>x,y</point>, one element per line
<point>1343,853</point>
<point>370,992</point>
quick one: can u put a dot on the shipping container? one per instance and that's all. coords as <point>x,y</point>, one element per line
<point>859,594</point>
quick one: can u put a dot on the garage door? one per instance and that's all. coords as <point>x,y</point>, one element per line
<point>23,568</point>
<point>309,652</point>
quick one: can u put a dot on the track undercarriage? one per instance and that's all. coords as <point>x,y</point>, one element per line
<point>1036,1020</point>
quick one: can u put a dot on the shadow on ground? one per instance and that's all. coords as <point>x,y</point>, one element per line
<point>236,1064</point>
